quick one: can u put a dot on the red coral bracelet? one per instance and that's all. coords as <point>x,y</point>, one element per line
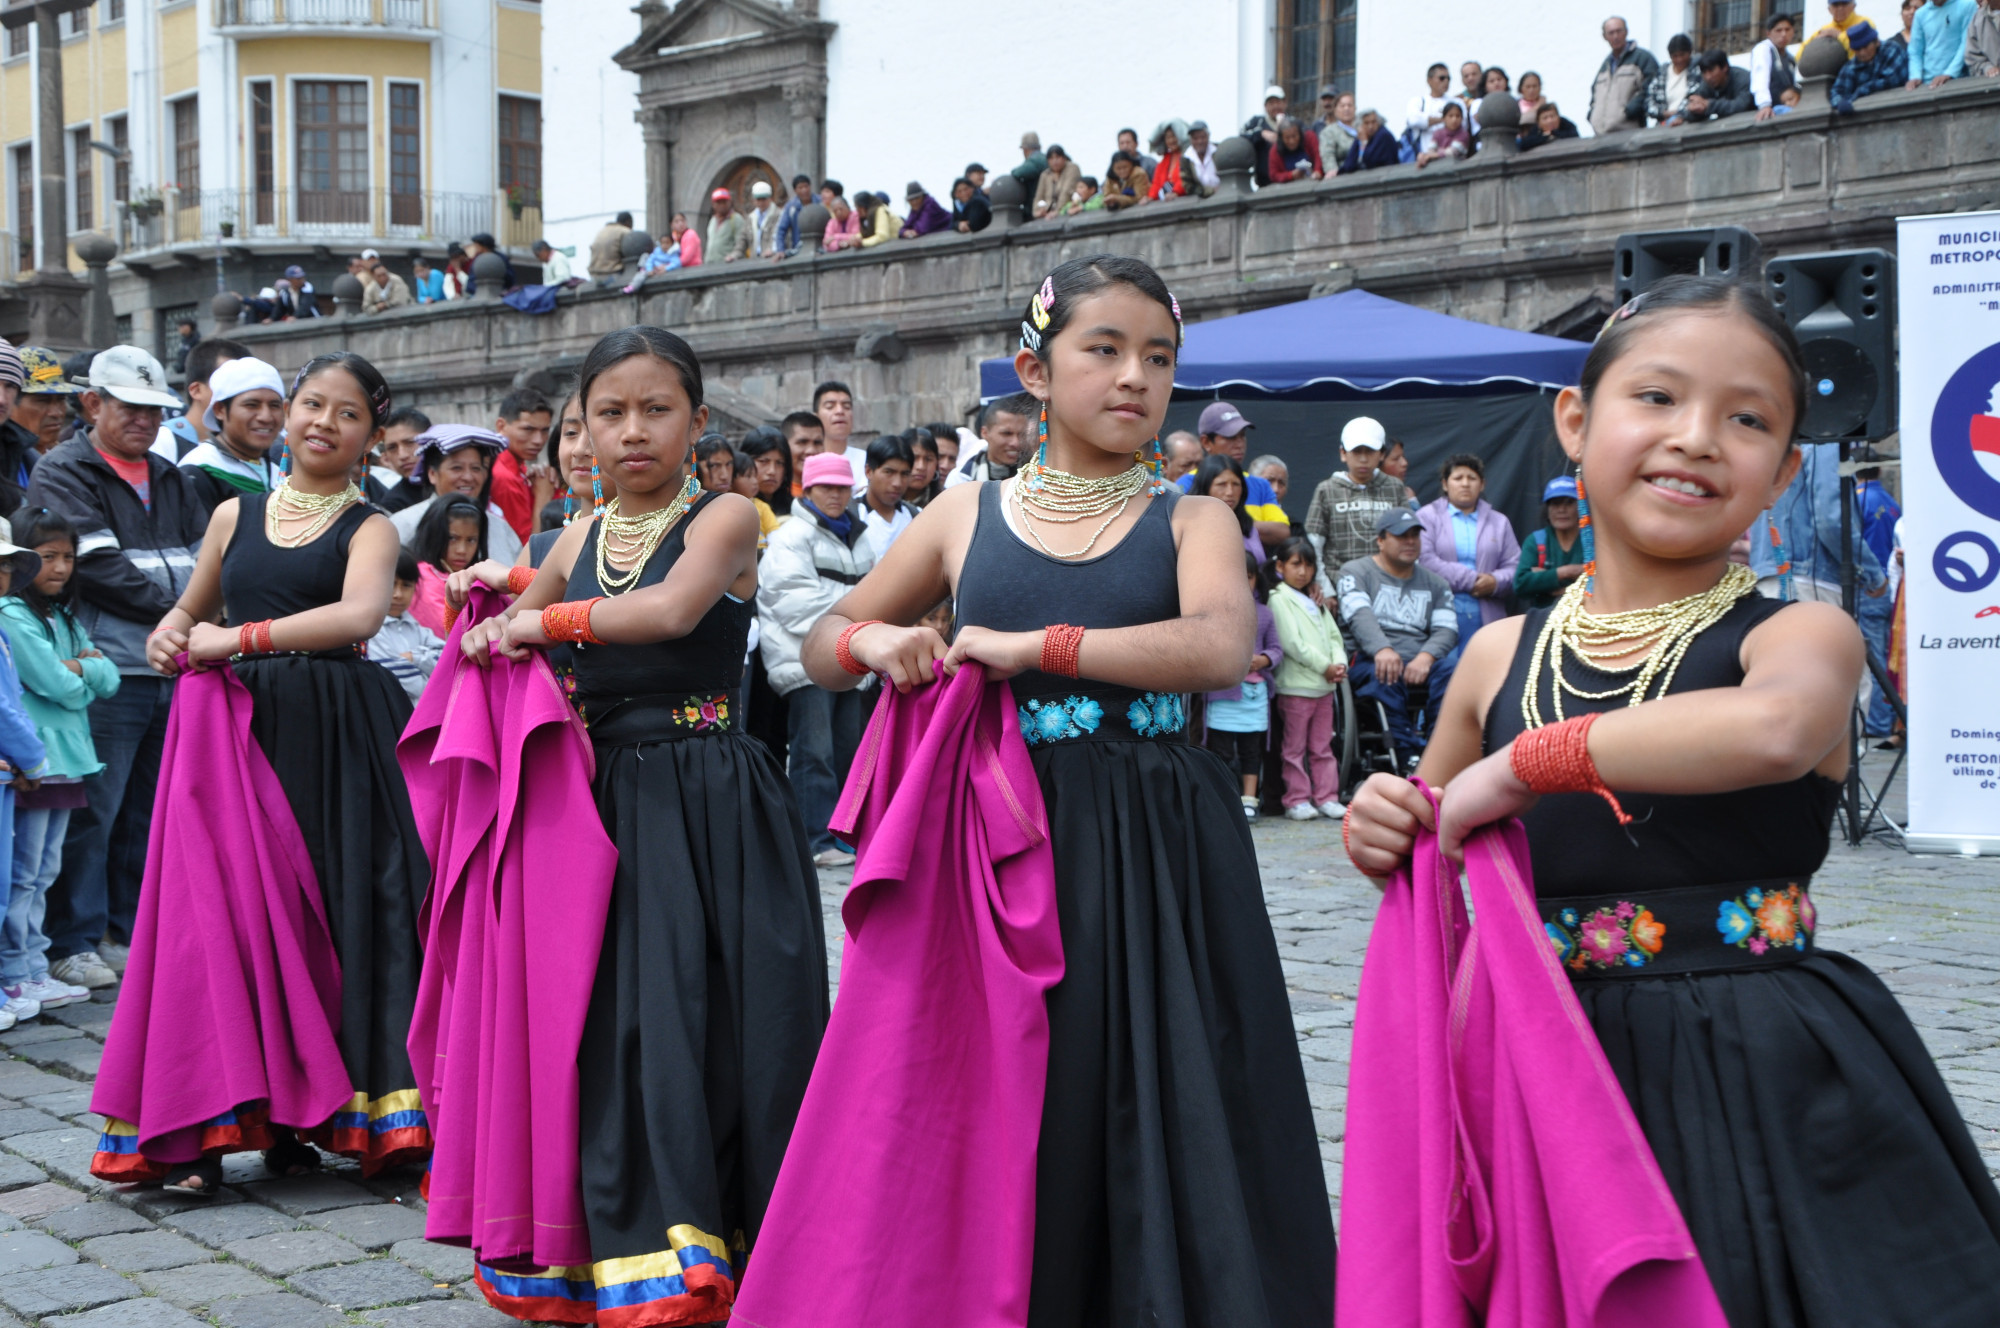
<point>843,652</point>
<point>1062,649</point>
<point>571,621</point>
<point>254,638</point>
<point>519,579</point>
<point>1556,759</point>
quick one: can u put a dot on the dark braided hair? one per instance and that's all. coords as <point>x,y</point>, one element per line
<point>373,386</point>
<point>1053,303</point>
<point>1702,295</point>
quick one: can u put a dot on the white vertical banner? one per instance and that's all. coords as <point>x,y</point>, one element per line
<point>1949,309</point>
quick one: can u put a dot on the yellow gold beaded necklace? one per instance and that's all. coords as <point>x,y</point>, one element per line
<point>633,540</point>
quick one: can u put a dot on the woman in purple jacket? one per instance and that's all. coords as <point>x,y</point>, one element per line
<point>1471,546</point>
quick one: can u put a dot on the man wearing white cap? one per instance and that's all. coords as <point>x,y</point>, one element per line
<point>762,222</point>
<point>244,417</point>
<point>1341,520</point>
<point>1262,131</point>
<point>137,527</point>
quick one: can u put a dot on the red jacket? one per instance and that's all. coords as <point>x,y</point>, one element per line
<point>512,495</point>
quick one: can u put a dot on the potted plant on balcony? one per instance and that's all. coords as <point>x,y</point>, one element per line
<point>147,204</point>
<point>517,199</point>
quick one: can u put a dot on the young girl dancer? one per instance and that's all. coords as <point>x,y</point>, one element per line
<point>710,996</point>
<point>300,577</point>
<point>1178,1178</point>
<point>1823,1170</point>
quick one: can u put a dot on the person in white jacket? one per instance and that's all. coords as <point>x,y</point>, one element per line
<point>809,563</point>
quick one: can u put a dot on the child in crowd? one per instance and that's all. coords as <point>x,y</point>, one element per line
<point>1085,199</point>
<point>44,734</point>
<point>1341,520</point>
<point>809,563</point>
<point>405,646</point>
<point>1314,660</point>
<point>1239,716</point>
<point>451,538</point>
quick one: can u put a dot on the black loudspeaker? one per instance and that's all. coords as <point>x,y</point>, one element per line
<point>1843,307</point>
<point>1644,257</point>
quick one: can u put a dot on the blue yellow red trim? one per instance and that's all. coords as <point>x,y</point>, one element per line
<point>690,1282</point>
<point>378,1132</point>
<point>118,1158</point>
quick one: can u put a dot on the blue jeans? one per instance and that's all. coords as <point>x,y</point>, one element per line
<point>1412,711</point>
<point>1875,615</point>
<point>96,893</point>
<point>822,733</point>
<point>38,849</point>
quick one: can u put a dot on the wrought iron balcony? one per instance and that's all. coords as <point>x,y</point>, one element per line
<point>401,15</point>
<point>338,217</point>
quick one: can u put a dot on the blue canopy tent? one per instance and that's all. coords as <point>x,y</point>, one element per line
<point>1443,385</point>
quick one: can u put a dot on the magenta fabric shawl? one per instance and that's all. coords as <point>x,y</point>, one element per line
<point>1494,1173</point>
<point>907,1198</point>
<point>499,769</point>
<point>232,992</point>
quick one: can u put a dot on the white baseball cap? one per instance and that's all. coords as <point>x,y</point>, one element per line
<point>232,378</point>
<point>133,376</point>
<point>1362,431</point>
<point>1274,91</point>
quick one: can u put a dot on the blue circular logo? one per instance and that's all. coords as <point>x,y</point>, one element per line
<point>1966,426</point>
<point>1825,386</point>
<point>1955,573</point>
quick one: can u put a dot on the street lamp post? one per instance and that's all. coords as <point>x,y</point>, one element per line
<point>55,296</point>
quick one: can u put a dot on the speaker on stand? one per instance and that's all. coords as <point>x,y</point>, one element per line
<point>1642,258</point>
<point>1842,306</point>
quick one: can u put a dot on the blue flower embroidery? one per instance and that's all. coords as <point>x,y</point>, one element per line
<point>1734,922</point>
<point>1053,720</point>
<point>1154,714</point>
<point>1560,939</point>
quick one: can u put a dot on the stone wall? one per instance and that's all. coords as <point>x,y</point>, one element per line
<point>1519,241</point>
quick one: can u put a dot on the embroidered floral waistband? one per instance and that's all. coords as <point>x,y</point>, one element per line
<point>1691,929</point>
<point>1102,715</point>
<point>665,718</point>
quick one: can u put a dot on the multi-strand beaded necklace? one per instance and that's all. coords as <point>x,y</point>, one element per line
<point>316,509</point>
<point>1597,639</point>
<point>633,540</point>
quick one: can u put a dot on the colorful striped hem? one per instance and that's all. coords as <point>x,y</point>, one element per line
<point>119,1158</point>
<point>379,1132</point>
<point>690,1283</point>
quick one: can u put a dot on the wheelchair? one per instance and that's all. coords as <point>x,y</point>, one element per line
<point>1362,739</point>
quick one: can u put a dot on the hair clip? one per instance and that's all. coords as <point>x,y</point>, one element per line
<point>1048,291</point>
<point>1029,337</point>
<point>1038,311</point>
<point>1175,303</point>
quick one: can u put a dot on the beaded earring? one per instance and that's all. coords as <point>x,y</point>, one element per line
<point>569,508</point>
<point>1784,563</point>
<point>1155,460</point>
<point>1589,540</point>
<point>596,487</point>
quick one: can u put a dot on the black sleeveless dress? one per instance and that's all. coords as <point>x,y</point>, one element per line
<point>1824,1172</point>
<point>710,998</point>
<point>328,723</point>
<point>1178,1180</point>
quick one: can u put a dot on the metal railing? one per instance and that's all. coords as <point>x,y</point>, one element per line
<point>226,216</point>
<point>327,13</point>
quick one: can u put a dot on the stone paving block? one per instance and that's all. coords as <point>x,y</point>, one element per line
<point>21,1251</point>
<point>88,1016</point>
<point>37,1200</point>
<point>100,1218</point>
<point>142,1313</point>
<point>289,1252</point>
<point>69,1103</point>
<point>21,1081</point>
<point>442,1263</point>
<point>82,1286</point>
<point>65,1153</point>
<point>199,1284</point>
<point>218,1226</point>
<point>34,1031</point>
<point>26,1120</point>
<point>16,1172</point>
<point>372,1226</point>
<point>299,1195</point>
<point>278,1309</point>
<point>144,1251</point>
<point>365,1286</point>
<point>77,1053</point>
<point>441,1314</point>
<point>151,1201</point>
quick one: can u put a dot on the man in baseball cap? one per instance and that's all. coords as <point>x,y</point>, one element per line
<point>1400,616</point>
<point>725,229</point>
<point>245,417</point>
<point>1552,557</point>
<point>1341,519</point>
<point>18,449</point>
<point>1224,430</point>
<point>137,523</point>
<point>43,405</point>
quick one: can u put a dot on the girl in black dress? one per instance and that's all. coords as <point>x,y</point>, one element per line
<point>1178,1178</point>
<point>710,996</point>
<point>1815,1152</point>
<point>307,571</point>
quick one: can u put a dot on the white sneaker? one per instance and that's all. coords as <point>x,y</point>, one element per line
<point>833,857</point>
<point>113,955</point>
<point>1303,812</point>
<point>6,1021</point>
<point>21,1007</point>
<point>83,970</point>
<point>1250,809</point>
<point>1332,810</point>
<point>52,994</point>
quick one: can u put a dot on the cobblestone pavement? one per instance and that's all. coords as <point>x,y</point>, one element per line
<point>337,1249</point>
